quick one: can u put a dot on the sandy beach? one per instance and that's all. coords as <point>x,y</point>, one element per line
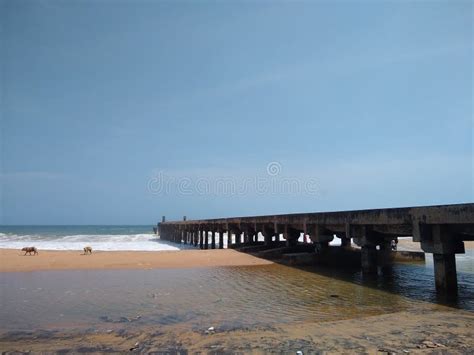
<point>409,245</point>
<point>16,261</point>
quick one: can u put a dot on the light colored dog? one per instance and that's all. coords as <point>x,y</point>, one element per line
<point>29,250</point>
<point>87,249</point>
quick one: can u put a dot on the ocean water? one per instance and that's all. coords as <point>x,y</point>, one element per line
<point>138,238</point>
<point>225,297</point>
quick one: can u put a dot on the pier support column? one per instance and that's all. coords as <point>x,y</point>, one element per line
<point>369,259</point>
<point>201,239</point>
<point>385,255</point>
<point>291,235</point>
<point>268,233</point>
<point>206,240</point>
<point>345,243</point>
<point>238,238</point>
<point>267,239</point>
<point>346,237</point>
<point>185,237</point>
<point>229,238</point>
<point>368,239</point>
<point>445,272</point>
<point>444,244</point>
<point>320,238</point>
<point>213,240</point>
<point>221,239</point>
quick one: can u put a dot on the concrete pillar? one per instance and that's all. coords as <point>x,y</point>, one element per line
<point>369,259</point>
<point>238,238</point>
<point>185,237</point>
<point>201,239</point>
<point>213,239</point>
<point>445,272</point>
<point>206,240</point>
<point>229,238</point>
<point>442,242</point>
<point>291,235</point>
<point>221,239</point>
<point>321,247</point>
<point>385,255</point>
<point>267,239</point>
<point>268,233</point>
<point>345,242</point>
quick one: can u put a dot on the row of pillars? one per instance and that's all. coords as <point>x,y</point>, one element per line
<point>438,240</point>
<point>375,247</point>
<point>207,239</point>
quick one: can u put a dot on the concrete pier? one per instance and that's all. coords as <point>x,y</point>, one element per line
<point>441,230</point>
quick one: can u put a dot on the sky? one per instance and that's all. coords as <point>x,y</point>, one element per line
<point>120,112</point>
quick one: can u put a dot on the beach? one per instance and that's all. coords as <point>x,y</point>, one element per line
<point>167,301</point>
<point>16,261</point>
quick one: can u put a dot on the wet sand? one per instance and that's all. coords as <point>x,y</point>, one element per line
<point>15,261</point>
<point>423,332</point>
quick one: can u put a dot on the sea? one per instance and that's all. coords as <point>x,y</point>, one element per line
<point>69,237</point>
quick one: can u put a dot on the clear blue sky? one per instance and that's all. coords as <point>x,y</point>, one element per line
<point>373,100</point>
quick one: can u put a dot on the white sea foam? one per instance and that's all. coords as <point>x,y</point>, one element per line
<point>111,242</point>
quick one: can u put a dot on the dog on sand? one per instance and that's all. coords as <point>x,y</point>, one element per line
<point>87,249</point>
<point>29,250</point>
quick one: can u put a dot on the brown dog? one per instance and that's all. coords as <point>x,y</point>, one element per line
<point>87,249</point>
<point>29,250</point>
